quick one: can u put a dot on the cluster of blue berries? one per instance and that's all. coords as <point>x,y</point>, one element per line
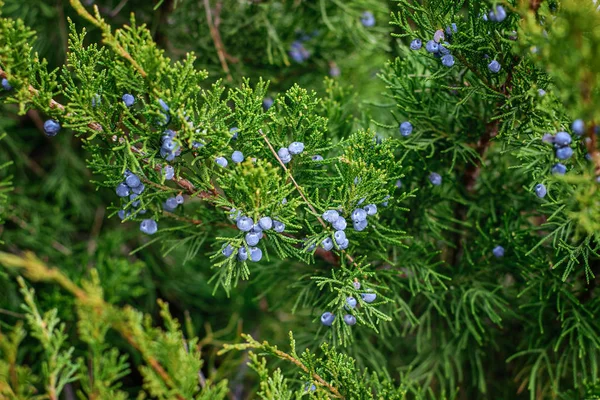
<point>169,149</point>
<point>562,142</point>
<point>327,317</point>
<point>339,223</point>
<point>437,48</point>
<point>172,202</point>
<point>130,189</point>
<point>286,153</point>
<point>298,52</point>
<point>253,236</point>
<point>237,157</point>
<point>497,15</point>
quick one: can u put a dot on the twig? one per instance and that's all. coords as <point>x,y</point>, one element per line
<point>118,8</point>
<point>216,37</point>
<point>11,313</point>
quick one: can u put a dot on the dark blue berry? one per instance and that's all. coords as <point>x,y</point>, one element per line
<point>498,251</point>
<point>122,190</point>
<point>562,139</point>
<point>51,127</point>
<point>435,179</point>
<point>267,103</point>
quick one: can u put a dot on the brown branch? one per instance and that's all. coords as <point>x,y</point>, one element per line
<point>216,37</point>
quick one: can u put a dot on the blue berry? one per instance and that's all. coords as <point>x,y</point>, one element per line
<point>234,132</point>
<point>398,183</point>
<point>51,127</point>
<point>133,181</point>
<point>360,225</point>
<point>122,190</point>
<point>284,201</point>
<point>6,85</point>
<point>416,44</point>
<point>448,60</point>
<point>296,148</point>
<point>310,387</point>
<point>327,244</point>
<point>368,297</point>
<point>386,201</point>
<point>169,144</point>
<point>245,224</point>
<point>562,139</point>
<point>128,99</point>
<point>339,236</point>
<point>148,226</point>
<point>367,19</point>
<point>361,201</point>
<point>494,66</point>
<point>171,203</point>
<point>179,199</point>
<point>317,157</point>
<point>252,238</point>
<point>540,190</point>
<point>96,100</point>
<point>265,223</point>
<point>432,46</point>
<point>133,197</point>
<point>221,161</point>
<point>541,92</point>
<point>278,226</point>
<point>169,172</point>
<point>435,179</point>
<point>406,128</point>
<point>256,228</point>
<point>444,52</point>
<point>267,103</point>
<point>331,216</point>
<point>564,153</point>
<point>498,251</point>
<point>499,15</point>
<point>351,302</point>
<point>284,155</point>
<point>371,209</point>
<point>578,127</point>
<point>237,156</point>
<point>350,319</point>
<point>242,254</point>
<point>344,245</point>
<point>356,285</point>
<point>548,138</point>
<point>339,224</point>
<point>227,250</point>
<point>163,105</point>
<point>327,318</point>
<point>334,71</point>
<point>196,144</point>
<point>358,215</point>
<point>122,214</point>
<point>255,254</point>
<point>559,169</point>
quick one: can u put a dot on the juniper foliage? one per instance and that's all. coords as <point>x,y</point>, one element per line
<point>440,313</point>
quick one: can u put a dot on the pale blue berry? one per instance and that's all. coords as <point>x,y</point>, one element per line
<point>356,285</point>
<point>339,224</point>
<point>296,148</point>
<point>133,197</point>
<point>128,99</point>
<point>123,214</point>
<point>350,319</point>
<point>367,19</point>
<point>351,302</point>
<point>122,190</point>
<point>432,46</point>
<point>278,226</point>
<point>237,156</point>
<point>169,172</point>
<point>498,251</point>
<point>148,226</point>
<point>361,201</point>
<point>255,254</point>
<point>327,318</point>
<point>171,203</point>
<point>406,128</point>
<point>227,250</point>
<point>242,254</point>
<point>6,85</point>
<point>435,179</point>
<point>334,71</point>
<point>339,236</point>
<point>221,161</point>
<point>564,153</point>
<point>416,44</point>
<point>562,139</point>
<point>371,209</point>
<point>284,201</point>
<point>163,105</point>
<point>244,224</point>
<point>540,190</point>
<point>448,60</point>
<point>559,169</point>
<point>358,215</point>
<point>252,238</point>
<point>51,127</point>
<point>265,223</point>
<point>499,15</point>
<point>344,245</point>
<point>179,199</point>
<point>96,100</point>
<point>317,157</point>
<point>548,138</point>
<point>541,92</point>
<point>360,226</point>
<point>310,387</point>
<point>331,216</point>
<point>386,201</point>
<point>578,127</point>
<point>494,66</point>
<point>327,244</point>
<point>132,181</point>
<point>169,144</point>
<point>368,297</point>
<point>234,132</point>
